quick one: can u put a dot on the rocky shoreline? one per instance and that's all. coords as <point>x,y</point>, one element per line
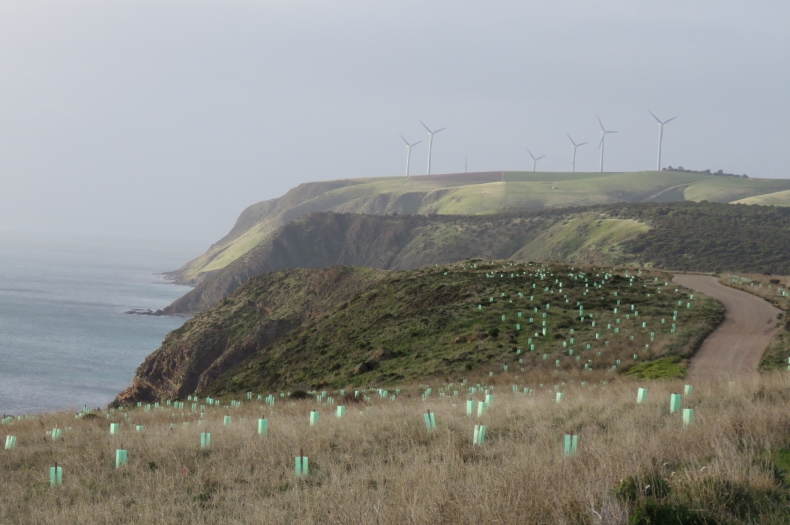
<point>145,311</point>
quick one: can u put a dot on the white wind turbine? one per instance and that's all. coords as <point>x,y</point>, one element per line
<point>430,142</point>
<point>535,160</point>
<point>601,144</point>
<point>573,159</point>
<point>408,153</point>
<point>660,137</point>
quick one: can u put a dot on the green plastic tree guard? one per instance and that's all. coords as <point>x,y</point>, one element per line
<point>674,403</point>
<point>340,411</point>
<point>301,466</point>
<point>226,421</point>
<point>470,407</point>
<point>313,418</point>
<point>120,458</point>
<point>55,476</point>
<point>559,397</point>
<point>688,389</point>
<point>479,435</point>
<point>263,427</point>
<point>114,428</point>
<point>571,445</point>
<point>10,442</point>
<point>688,416</point>
<point>641,395</point>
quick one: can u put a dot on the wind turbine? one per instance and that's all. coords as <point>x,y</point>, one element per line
<point>573,159</point>
<point>535,160</point>
<point>660,137</point>
<point>430,142</point>
<point>408,153</point>
<point>603,136</point>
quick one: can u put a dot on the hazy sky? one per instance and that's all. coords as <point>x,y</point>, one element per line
<point>164,119</point>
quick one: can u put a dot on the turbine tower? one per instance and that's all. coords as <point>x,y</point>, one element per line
<point>573,159</point>
<point>408,153</point>
<point>660,137</point>
<point>430,142</point>
<point>601,144</point>
<point>535,160</point>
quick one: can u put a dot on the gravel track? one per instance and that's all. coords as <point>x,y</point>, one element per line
<point>734,349</point>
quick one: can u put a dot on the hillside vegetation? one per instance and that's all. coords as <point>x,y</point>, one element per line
<point>466,194</point>
<point>351,327</point>
<point>635,463</point>
<point>682,236</point>
<point>780,198</point>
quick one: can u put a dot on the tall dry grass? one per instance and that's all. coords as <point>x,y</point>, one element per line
<point>380,464</point>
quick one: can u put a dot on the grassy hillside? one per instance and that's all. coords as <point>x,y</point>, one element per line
<point>779,198</point>
<point>635,463</point>
<point>713,237</point>
<point>406,242</point>
<point>472,318</point>
<point>466,194</point>
<point>268,307</point>
<point>682,236</point>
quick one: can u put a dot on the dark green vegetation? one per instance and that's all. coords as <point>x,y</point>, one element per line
<point>713,237</point>
<point>473,194</point>
<point>259,313</point>
<point>668,367</point>
<point>657,498</point>
<point>679,236</point>
<point>347,326</point>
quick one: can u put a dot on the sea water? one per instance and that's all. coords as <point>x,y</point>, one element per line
<point>64,339</point>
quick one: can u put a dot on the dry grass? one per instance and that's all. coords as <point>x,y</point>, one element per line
<point>380,465</point>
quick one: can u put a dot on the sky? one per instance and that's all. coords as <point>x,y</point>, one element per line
<point>164,119</point>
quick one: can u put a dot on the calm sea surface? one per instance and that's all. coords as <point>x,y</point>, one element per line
<point>64,341</point>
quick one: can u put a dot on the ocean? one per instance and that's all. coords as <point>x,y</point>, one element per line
<point>64,339</point>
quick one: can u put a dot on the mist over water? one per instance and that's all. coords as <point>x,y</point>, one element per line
<point>64,340</point>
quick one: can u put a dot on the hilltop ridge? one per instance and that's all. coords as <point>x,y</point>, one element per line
<point>679,236</point>
<point>466,194</point>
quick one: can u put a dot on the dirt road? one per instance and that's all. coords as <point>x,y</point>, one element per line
<point>736,346</point>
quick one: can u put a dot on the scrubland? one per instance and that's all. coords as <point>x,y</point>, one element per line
<point>636,462</point>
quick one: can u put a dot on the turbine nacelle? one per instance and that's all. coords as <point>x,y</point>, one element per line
<point>604,132</point>
<point>660,123</point>
<point>534,160</point>
<point>430,142</point>
<point>660,136</point>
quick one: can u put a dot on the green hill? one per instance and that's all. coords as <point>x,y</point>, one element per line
<point>466,194</point>
<point>679,236</point>
<point>346,326</point>
<point>779,198</point>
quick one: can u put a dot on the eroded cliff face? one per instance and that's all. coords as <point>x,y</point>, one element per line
<point>320,240</point>
<point>267,308</point>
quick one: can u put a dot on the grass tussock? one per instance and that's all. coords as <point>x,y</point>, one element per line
<point>636,463</point>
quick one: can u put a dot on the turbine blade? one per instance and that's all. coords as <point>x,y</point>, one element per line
<point>582,144</point>
<point>531,155</point>
<point>416,143</point>
<point>670,120</point>
<point>426,127</point>
<point>601,123</point>
<point>540,157</point>
<point>601,143</point>
<point>569,138</point>
<point>438,130</point>
<point>611,132</point>
<point>655,117</point>
<point>404,140</point>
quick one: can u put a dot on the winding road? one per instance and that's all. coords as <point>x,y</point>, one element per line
<point>734,349</point>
